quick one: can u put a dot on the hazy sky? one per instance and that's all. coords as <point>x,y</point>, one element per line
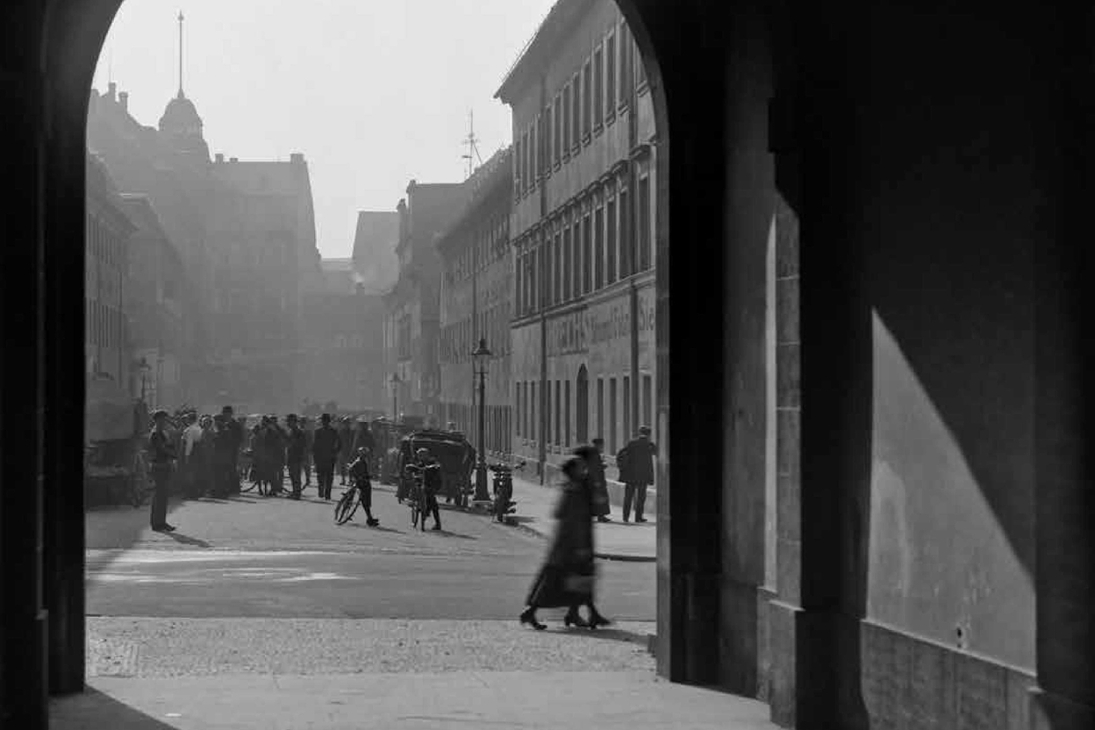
<point>373,93</point>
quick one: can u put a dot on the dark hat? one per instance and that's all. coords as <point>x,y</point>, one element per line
<point>585,452</point>
<point>325,417</point>
<point>598,440</point>
<point>291,417</point>
<point>159,413</point>
<point>644,430</point>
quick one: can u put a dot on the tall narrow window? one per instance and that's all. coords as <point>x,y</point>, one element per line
<point>612,443</point>
<point>640,69</point>
<point>535,409</point>
<point>566,414</point>
<point>517,150</point>
<point>611,243</point>
<point>549,269</point>
<point>557,291</point>
<point>567,90</point>
<point>643,223</point>
<point>558,414</point>
<point>599,251</point>
<point>598,88</point>
<point>587,254</point>
<point>610,75</point>
<point>549,139</point>
<point>626,397</point>
<point>576,253</point>
<point>587,100</point>
<point>557,125</point>
<point>601,409</point>
<point>576,112</point>
<point>518,283</point>
<point>625,231</point>
<point>648,401</point>
<point>568,282</point>
<point>547,413</point>
<point>625,64</point>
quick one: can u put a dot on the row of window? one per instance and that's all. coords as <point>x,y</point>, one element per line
<point>559,402</point>
<point>491,243</point>
<point>498,421</point>
<point>101,246</point>
<point>460,338</point>
<point>583,105</point>
<point>584,247</point>
<point>105,325</point>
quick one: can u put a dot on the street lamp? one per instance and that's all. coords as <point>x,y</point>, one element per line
<point>395,381</point>
<point>480,360</point>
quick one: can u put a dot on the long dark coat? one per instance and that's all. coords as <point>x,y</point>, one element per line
<point>566,579</point>
<point>599,487</point>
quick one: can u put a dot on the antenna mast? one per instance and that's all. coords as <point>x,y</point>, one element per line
<point>180,53</point>
<point>472,142</point>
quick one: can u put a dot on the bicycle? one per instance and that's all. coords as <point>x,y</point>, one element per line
<point>347,505</point>
<point>416,499</point>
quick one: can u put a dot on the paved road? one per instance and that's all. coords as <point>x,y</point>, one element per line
<point>271,557</point>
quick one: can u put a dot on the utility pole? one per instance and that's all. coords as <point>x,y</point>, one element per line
<point>473,145</point>
<point>180,53</point>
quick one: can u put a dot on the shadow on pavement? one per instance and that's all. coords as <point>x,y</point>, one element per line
<point>93,710</point>
<point>610,634</point>
<point>446,533</point>
<point>187,540</point>
<point>378,528</point>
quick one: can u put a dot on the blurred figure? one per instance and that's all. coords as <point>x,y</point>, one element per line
<point>162,456</point>
<point>326,447</point>
<point>601,505</point>
<point>295,447</point>
<point>346,437</point>
<point>309,428</point>
<point>568,575</point>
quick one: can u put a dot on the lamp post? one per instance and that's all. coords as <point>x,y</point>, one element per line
<point>480,359</point>
<point>395,381</point>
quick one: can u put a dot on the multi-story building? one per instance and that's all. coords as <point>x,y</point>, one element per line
<point>476,303</point>
<point>157,296</point>
<point>246,234</point>
<point>108,359</point>
<point>412,306</point>
<point>582,229</point>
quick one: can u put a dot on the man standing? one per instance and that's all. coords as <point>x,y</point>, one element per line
<point>596,467</point>
<point>363,437</point>
<point>295,447</point>
<point>188,473</point>
<point>275,445</point>
<point>431,483</point>
<point>162,453</point>
<point>326,446</point>
<point>636,463</point>
<point>235,437</point>
<point>346,438</point>
<point>309,430</point>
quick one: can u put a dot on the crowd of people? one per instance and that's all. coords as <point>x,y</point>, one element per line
<point>212,456</point>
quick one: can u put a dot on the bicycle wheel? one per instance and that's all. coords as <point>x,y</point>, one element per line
<point>347,505</point>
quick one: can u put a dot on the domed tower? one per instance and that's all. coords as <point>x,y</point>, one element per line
<point>180,123</point>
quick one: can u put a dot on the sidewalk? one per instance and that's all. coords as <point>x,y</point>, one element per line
<point>616,540</point>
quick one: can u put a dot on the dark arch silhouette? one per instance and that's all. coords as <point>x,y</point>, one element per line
<point>581,398</point>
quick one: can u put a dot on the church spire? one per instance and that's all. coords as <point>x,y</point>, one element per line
<point>180,53</point>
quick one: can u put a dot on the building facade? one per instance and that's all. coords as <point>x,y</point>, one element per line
<point>476,303</point>
<point>158,294</point>
<point>412,306</point>
<point>374,259</point>
<point>582,228</point>
<point>107,352</point>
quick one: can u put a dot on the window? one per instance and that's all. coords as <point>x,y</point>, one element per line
<point>648,398</point>
<point>549,138</point>
<point>626,395</point>
<point>625,229</point>
<point>576,257</point>
<point>534,432</point>
<point>527,179</point>
<point>568,283</point>
<point>567,90</point>
<point>587,99</point>
<point>601,409</point>
<point>625,64</point>
<point>612,415</point>
<point>518,283</point>
<point>517,149</point>
<point>549,269</point>
<point>566,414</point>
<point>643,224</point>
<point>557,281</point>
<point>610,273</point>
<point>599,251</point>
<point>610,76</point>
<point>538,148</point>
<point>587,254</point>
<point>558,411</point>
<point>576,112</point>
<point>557,138</point>
<point>598,88</point>
<point>640,69</point>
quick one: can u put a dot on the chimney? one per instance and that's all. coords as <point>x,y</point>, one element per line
<point>111,88</point>
<point>123,99</point>
<point>220,157</point>
<point>297,158</point>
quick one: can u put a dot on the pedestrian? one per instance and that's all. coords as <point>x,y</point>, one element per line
<point>276,439</point>
<point>162,453</point>
<point>568,575</point>
<point>309,428</point>
<point>296,445</point>
<point>636,464</point>
<point>203,449</point>
<point>260,467</point>
<point>346,437</point>
<point>187,475</point>
<point>359,477</point>
<point>236,437</point>
<point>363,437</point>
<point>224,457</point>
<point>431,483</point>
<point>601,505</point>
<point>326,446</point>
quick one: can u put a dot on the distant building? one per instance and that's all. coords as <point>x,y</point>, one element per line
<point>106,261</point>
<point>412,306</point>
<point>246,234</point>
<point>374,259</point>
<point>157,302</point>
<point>476,303</point>
<point>582,227</point>
<point>338,276</point>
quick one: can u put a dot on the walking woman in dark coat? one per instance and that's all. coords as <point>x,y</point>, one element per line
<point>568,575</point>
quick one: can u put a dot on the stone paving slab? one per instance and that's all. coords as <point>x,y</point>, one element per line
<point>157,647</point>
<point>633,700</point>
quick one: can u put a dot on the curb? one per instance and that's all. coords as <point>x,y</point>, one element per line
<point>620,557</point>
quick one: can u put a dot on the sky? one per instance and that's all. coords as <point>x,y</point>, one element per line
<point>373,93</point>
